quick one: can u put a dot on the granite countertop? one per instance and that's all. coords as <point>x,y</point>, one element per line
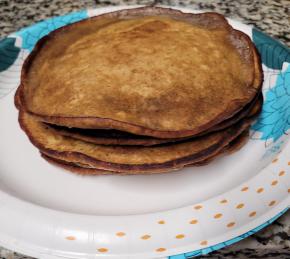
<point>270,16</point>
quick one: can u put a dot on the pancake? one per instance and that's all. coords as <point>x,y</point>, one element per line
<point>74,167</point>
<point>109,137</point>
<point>127,159</point>
<point>84,169</point>
<point>115,137</point>
<point>238,143</point>
<point>76,75</point>
<point>17,100</point>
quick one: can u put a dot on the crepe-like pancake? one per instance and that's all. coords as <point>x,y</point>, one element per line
<point>131,159</point>
<point>109,137</point>
<point>74,167</point>
<point>83,169</point>
<point>238,143</point>
<point>114,137</point>
<point>149,71</point>
<point>232,147</point>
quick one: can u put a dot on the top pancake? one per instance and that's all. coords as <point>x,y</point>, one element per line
<point>149,71</point>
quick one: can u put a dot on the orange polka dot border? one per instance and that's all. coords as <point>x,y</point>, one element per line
<point>120,234</point>
<point>180,236</point>
<point>145,237</point>
<point>160,249</point>
<point>198,207</point>
<point>103,250</point>
<point>71,238</point>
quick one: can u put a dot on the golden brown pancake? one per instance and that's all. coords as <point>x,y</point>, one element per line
<point>74,167</point>
<point>238,143</point>
<point>232,147</point>
<point>84,169</point>
<point>115,137</point>
<point>129,159</point>
<point>149,71</point>
<point>109,137</point>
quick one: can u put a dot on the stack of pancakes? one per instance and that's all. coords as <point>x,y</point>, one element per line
<point>145,90</point>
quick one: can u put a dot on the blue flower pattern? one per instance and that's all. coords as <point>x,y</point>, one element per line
<point>8,56</point>
<point>31,35</point>
<point>274,120</point>
<point>8,53</point>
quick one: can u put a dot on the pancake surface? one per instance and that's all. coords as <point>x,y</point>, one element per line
<point>183,73</point>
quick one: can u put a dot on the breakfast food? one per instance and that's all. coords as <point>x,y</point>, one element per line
<point>115,137</point>
<point>128,158</point>
<point>86,169</point>
<point>145,90</point>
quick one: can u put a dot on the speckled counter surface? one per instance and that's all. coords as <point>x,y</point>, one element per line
<point>273,17</point>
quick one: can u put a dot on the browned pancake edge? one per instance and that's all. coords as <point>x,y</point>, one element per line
<point>218,141</point>
<point>234,146</point>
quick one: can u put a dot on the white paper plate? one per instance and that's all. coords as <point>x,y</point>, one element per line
<point>47,212</point>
